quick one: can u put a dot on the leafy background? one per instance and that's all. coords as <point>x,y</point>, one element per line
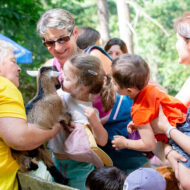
<point>18,20</point>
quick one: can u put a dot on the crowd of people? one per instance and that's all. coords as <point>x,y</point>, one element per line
<point>107,93</point>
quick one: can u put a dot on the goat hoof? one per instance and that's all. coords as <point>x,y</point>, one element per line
<point>65,181</point>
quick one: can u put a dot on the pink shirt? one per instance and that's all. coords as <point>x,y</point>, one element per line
<point>58,66</point>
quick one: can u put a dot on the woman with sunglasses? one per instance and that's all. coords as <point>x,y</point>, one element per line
<point>59,34</point>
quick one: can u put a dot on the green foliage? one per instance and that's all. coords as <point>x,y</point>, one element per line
<point>157,48</point>
<point>18,19</point>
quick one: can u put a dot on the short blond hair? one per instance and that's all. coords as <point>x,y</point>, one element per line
<point>5,47</point>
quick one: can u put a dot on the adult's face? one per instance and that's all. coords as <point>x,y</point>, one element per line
<point>9,68</point>
<point>115,51</point>
<point>183,49</point>
<point>62,51</point>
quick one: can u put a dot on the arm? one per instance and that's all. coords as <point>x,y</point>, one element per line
<point>99,132</point>
<point>105,119</point>
<point>180,138</point>
<point>146,143</point>
<point>173,157</point>
<point>19,135</point>
<point>184,94</point>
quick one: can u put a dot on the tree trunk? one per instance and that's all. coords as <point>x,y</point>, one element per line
<point>103,20</point>
<point>123,12</point>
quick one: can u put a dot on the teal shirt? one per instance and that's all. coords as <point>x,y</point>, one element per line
<point>75,171</point>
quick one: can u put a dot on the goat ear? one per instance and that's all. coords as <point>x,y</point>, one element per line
<point>54,74</point>
<point>32,73</point>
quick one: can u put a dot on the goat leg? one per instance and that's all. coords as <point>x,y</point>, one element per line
<point>24,160</point>
<point>45,156</point>
<point>57,175</point>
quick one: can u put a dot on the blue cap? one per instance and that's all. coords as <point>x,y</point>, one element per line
<point>145,179</point>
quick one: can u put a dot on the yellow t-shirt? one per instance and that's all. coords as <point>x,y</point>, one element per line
<point>11,105</point>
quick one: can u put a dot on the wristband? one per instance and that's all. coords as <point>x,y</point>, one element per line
<point>166,156</point>
<point>169,130</point>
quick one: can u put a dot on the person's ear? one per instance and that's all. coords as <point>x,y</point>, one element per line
<point>129,91</point>
<point>75,32</point>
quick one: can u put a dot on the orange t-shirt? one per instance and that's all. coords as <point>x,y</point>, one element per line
<point>146,108</point>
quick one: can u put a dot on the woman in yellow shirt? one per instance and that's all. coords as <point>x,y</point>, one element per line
<point>15,132</point>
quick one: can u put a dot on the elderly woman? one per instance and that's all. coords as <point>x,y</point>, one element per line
<point>182,27</point>
<point>15,132</point>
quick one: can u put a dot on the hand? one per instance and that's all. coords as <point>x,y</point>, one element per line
<point>55,129</point>
<point>173,158</point>
<point>90,113</point>
<point>119,142</point>
<point>70,128</point>
<point>160,124</point>
<point>131,127</point>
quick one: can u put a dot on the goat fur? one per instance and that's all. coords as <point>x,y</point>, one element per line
<point>169,175</point>
<point>45,109</point>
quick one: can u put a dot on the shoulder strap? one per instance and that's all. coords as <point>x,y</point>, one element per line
<point>89,49</point>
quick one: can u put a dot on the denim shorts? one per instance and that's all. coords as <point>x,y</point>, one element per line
<point>184,128</point>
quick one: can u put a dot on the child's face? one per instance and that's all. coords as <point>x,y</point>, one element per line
<point>69,78</point>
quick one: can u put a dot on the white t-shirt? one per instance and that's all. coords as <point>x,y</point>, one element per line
<point>75,108</point>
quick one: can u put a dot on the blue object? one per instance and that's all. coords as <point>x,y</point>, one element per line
<point>125,159</point>
<point>184,128</point>
<point>22,54</point>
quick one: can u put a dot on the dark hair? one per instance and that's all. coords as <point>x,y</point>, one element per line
<point>182,26</point>
<point>106,178</point>
<point>130,71</point>
<point>116,41</point>
<point>89,72</point>
<point>87,37</point>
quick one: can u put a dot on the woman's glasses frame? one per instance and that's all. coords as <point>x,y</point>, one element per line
<point>60,40</point>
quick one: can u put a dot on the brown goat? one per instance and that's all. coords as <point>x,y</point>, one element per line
<point>45,109</point>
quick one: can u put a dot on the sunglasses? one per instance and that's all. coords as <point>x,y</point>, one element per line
<point>61,40</point>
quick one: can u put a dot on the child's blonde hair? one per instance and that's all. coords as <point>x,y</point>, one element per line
<point>89,72</point>
<point>130,71</point>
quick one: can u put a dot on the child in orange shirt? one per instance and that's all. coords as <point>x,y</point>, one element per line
<point>131,75</point>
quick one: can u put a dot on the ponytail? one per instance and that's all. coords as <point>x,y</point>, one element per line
<point>107,94</point>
